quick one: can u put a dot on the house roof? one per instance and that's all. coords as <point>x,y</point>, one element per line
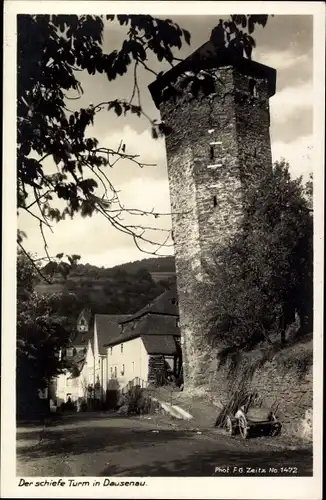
<point>160,344</point>
<point>148,324</point>
<point>107,327</point>
<point>82,338</point>
<point>166,303</point>
<point>78,360</point>
<point>209,56</point>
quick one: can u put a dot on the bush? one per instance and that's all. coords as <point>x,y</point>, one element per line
<point>137,402</point>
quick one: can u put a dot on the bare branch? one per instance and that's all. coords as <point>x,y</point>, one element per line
<point>33,263</point>
<point>44,241</point>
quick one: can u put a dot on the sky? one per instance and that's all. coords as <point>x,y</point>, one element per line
<point>286,44</point>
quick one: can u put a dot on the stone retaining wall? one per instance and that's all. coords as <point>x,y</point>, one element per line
<point>283,380</point>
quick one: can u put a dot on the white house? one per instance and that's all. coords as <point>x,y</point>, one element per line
<point>111,352</point>
<point>87,380</point>
<point>146,341</point>
<point>74,384</point>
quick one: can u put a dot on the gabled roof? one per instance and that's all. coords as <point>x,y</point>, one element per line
<point>209,55</point>
<point>166,303</point>
<point>82,338</point>
<point>78,360</point>
<point>107,327</point>
<point>148,324</point>
<point>160,344</point>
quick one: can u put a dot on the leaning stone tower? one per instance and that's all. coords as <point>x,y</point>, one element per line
<point>219,143</point>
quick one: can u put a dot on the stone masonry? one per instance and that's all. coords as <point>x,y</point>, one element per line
<point>219,142</point>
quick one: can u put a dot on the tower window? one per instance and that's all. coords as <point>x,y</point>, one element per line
<point>215,201</point>
<point>215,149</point>
<point>215,152</point>
<point>253,88</point>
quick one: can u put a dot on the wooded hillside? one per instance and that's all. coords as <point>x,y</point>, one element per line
<point>121,289</point>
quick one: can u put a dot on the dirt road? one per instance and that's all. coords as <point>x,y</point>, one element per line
<point>106,445</point>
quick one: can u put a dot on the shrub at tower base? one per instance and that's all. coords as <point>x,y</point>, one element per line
<point>264,278</point>
<point>260,296</point>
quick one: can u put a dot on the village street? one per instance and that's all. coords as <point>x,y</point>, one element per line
<point>108,445</point>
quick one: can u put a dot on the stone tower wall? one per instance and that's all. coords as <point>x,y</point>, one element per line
<point>218,144</point>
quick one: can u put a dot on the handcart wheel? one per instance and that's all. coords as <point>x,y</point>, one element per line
<point>275,431</point>
<point>243,427</point>
<point>229,426</point>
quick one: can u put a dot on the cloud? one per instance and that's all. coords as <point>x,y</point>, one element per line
<point>287,31</point>
<point>282,60</point>
<point>284,103</point>
<point>148,151</point>
<point>95,239</point>
<point>299,154</point>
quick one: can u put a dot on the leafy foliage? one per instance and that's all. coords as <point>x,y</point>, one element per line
<point>52,50</point>
<point>266,273</point>
<point>231,33</point>
<point>44,325</point>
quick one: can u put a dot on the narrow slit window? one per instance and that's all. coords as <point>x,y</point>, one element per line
<point>215,153</point>
<point>253,88</point>
<point>215,201</point>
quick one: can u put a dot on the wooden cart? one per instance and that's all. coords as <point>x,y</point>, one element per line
<point>255,421</point>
